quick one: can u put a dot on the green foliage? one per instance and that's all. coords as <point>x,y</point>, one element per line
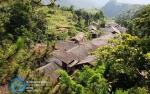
<point>97,85</point>
<point>120,60</point>
<point>1,63</point>
<point>128,14</point>
<point>81,25</point>
<point>142,22</point>
<point>137,24</point>
<point>84,82</point>
<point>71,8</point>
<point>68,86</point>
<point>92,80</point>
<point>20,43</point>
<point>23,19</point>
<point>137,90</point>
<point>119,65</point>
<point>19,16</point>
<point>64,8</point>
<point>72,32</point>
<point>86,17</point>
<point>88,36</point>
<point>120,91</point>
<point>100,18</point>
<point>20,23</point>
<point>62,36</point>
<point>84,75</point>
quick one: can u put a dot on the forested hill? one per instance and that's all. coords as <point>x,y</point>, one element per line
<point>128,14</point>
<point>113,8</point>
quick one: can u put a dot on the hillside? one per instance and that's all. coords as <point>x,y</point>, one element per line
<point>128,14</point>
<point>51,49</point>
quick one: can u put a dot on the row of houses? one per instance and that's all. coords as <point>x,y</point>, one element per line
<point>74,54</point>
<point>94,29</point>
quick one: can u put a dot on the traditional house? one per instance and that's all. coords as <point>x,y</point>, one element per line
<point>93,33</point>
<point>74,55</point>
<point>115,30</point>
<point>122,29</point>
<point>93,23</point>
<point>65,45</point>
<point>71,55</point>
<point>55,60</point>
<point>89,60</point>
<point>66,58</point>
<point>112,24</point>
<point>106,31</point>
<point>49,71</point>
<point>91,27</point>
<point>79,37</point>
<point>103,40</point>
<point>82,50</point>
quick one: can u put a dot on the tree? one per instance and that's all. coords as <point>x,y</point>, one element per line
<point>124,61</point>
<point>27,21</point>
<point>19,18</point>
<point>100,18</point>
<point>129,14</point>
<point>20,43</point>
<point>97,85</point>
<point>142,22</point>
<point>67,85</point>
<point>139,26</point>
<point>71,8</point>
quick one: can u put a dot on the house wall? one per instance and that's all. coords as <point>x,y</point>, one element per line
<point>71,70</point>
<point>64,66</point>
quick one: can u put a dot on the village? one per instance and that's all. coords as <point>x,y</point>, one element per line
<point>74,47</point>
<point>75,53</point>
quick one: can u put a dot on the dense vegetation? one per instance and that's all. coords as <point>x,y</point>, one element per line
<point>26,24</point>
<point>128,14</point>
<point>136,20</point>
<point>122,67</point>
<point>119,69</point>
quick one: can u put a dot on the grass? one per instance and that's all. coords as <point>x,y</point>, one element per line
<point>60,19</point>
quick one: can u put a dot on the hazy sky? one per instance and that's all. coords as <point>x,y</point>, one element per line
<point>128,1</point>
<point>102,2</point>
<point>135,1</point>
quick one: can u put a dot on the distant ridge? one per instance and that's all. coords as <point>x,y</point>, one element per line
<point>78,4</point>
<point>112,8</point>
